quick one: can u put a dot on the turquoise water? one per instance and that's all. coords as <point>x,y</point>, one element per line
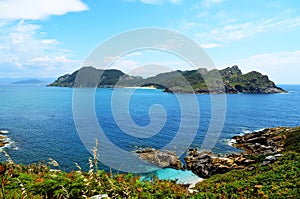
<point>40,120</point>
<point>181,177</point>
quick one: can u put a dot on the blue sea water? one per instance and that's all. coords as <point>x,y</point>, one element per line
<point>41,126</point>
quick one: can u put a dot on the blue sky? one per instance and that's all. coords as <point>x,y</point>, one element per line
<point>52,37</point>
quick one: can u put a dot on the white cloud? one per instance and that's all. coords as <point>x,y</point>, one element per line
<point>38,9</point>
<point>49,41</point>
<point>275,59</point>
<point>210,45</point>
<point>24,48</point>
<point>46,60</point>
<point>275,65</point>
<point>232,32</point>
<point>156,2</point>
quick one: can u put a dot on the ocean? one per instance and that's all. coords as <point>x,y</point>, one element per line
<point>40,121</point>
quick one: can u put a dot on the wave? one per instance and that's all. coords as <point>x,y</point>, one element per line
<point>9,142</point>
<point>230,142</point>
<point>4,132</point>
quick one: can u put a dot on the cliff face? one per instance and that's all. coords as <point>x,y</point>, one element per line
<point>252,82</point>
<point>196,81</point>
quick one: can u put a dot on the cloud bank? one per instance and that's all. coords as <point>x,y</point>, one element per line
<point>38,9</point>
<point>24,50</point>
<point>276,65</point>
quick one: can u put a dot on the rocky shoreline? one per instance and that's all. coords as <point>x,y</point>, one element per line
<point>227,89</point>
<point>3,138</point>
<point>268,142</point>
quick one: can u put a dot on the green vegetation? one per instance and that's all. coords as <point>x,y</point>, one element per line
<point>292,142</point>
<point>280,179</point>
<point>90,77</point>
<point>229,80</point>
<point>38,181</point>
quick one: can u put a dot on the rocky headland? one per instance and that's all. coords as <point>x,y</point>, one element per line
<point>268,143</point>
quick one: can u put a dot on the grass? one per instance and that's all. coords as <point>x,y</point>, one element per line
<point>277,180</point>
<point>292,142</point>
<point>38,181</point>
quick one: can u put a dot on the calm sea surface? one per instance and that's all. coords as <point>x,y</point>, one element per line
<point>41,126</point>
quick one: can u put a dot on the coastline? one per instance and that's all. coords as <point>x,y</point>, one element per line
<point>238,161</point>
<point>4,140</point>
<point>269,142</point>
<point>282,163</point>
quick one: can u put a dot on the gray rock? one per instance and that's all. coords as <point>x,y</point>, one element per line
<point>266,147</point>
<point>278,155</point>
<point>257,145</point>
<point>261,140</point>
<point>203,161</point>
<point>101,196</point>
<point>161,158</point>
<point>204,156</point>
<point>270,158</point>
<point>251,168</point>
<point>265,163</point>
<point>266,152</point>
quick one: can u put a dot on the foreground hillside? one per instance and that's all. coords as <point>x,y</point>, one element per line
<point>278,179</point>
<point>232,81</point>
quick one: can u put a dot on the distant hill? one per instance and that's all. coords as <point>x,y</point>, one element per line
<point>107,78</point>
<point>30,81</point>
<point>233,81</point>
<point>25,81</point>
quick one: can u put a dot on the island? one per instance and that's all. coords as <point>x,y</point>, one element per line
<point>30,81</point>
<point>190,81</point>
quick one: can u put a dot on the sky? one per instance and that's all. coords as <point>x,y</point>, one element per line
<point>49,38</point>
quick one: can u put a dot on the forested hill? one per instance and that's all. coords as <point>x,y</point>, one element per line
<point>232,80</point>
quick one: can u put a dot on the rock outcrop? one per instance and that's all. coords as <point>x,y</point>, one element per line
<point>3,138</point>
<point>206,164</point>
<point>267,141</point>
<point>160,158</point>
<point>271,159</point>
